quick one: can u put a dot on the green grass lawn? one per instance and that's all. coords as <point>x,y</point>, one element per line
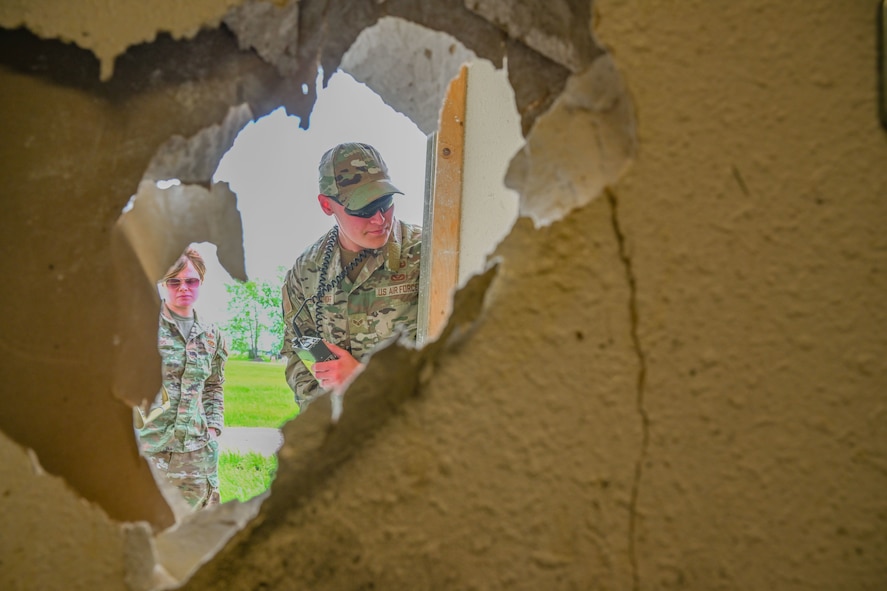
<point>256,395</point>
<point>243,477</point>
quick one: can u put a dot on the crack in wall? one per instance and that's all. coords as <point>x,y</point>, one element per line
<point>641,386</point>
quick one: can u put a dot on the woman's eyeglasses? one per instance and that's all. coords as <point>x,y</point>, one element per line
<point>176,283</point>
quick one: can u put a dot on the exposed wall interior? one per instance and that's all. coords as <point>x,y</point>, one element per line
<point>672,377</point>
<point>492,137</point>
<point>420,63</point>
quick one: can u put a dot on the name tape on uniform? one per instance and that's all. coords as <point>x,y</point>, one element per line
<point>403,288</point>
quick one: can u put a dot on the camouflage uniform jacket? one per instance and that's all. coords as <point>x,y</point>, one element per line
<point>193,374</point>
<point>356,316</point>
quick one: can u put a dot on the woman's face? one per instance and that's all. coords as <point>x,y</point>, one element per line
<point>182,290</point>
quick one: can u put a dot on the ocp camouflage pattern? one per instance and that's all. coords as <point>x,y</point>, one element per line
<point>355,175</point>
<point>193,372</point>
<point>195,474</point>
<point>356,316</point>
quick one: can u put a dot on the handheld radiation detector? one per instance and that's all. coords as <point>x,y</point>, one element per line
<point>312,350</point>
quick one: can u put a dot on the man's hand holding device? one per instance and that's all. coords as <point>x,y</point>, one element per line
<point>334,373</point>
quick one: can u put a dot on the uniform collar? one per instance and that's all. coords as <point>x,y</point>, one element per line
<point>392,250</point>
<point>166,313</point>
<point>394,247</point>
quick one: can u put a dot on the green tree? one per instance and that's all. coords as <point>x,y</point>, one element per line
<point>254,316</point>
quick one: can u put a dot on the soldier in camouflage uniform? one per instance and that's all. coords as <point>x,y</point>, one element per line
<point>178,435</point>
<point>360,280</point>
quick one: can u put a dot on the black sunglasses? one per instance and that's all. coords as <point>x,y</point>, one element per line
<point>379,205</point>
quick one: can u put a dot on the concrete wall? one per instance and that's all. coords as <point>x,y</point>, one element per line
<point>673,380</point>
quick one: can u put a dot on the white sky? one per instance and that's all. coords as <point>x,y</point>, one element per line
<point>273,169</point>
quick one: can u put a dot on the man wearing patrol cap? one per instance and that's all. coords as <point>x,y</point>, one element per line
<point>359,283</point>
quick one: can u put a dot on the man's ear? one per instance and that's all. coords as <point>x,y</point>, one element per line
<point>325,204</point>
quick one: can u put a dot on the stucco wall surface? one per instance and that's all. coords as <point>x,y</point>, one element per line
<point>75,152</point>
<point>754,217</point>
<point>108,33</point>
<point>675,383</point>
<point>53,539</point>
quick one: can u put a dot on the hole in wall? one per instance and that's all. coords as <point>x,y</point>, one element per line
<point>144,79</point>
<point>272,166</point>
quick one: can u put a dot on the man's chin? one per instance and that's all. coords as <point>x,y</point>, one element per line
<point>374,241</point>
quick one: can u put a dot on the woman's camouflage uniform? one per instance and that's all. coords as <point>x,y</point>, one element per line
<point>356,316</point>
<point>178,441</point>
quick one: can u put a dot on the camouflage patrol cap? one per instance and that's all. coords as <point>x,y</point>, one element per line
<point>355,175</point>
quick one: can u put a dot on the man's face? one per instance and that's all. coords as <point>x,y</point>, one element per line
<point>357,233</point>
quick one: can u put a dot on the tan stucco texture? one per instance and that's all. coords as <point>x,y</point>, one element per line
<point>675,381</point>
